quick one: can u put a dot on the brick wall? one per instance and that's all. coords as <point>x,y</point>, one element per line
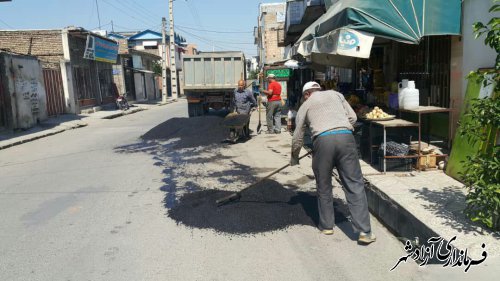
<point>44,44</point>
<point>273,52</point>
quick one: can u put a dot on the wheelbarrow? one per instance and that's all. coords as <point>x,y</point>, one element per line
<point>237,125</point>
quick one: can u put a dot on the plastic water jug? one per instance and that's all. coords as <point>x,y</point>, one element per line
<point>401,86</point>
<point>411,96</point>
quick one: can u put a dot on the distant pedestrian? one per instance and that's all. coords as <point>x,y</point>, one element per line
<point>273,109</point>
<point>330,120</point>
<point>243,102</point>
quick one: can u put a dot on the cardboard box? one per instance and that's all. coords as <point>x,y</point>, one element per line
<point>426,162</point>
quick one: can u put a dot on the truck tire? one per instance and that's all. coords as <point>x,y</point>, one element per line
<point>195,109</point>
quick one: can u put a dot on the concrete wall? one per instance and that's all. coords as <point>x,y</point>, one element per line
<point>475,53</point>
<point>468,54</point>
<point>24,90</point>
<point>140,93</point>
<point>456,81</point>
<point>119,78</point>
<point>151,87</point>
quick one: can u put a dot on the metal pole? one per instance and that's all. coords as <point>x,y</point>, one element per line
<point>173,68</point>
<point>164,60</point>
<point>98,16</point>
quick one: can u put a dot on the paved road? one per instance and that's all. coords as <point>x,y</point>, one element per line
<point>73,208</point>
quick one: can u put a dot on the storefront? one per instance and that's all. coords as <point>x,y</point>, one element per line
<point>367,54</point>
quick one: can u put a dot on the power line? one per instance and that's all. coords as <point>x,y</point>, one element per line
<point>211,43</point>
<point>126,13</point>
<point>134,7</point>
<point>194,13</point>
<point>98,15</point>
<point>217,41</point>
<point>206,41</point>
<point>99,27</point>
<point>214,31</point>
<point>145,9</point>
<point>6,24</point>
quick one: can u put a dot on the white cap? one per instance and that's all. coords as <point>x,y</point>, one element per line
<point>311,85</point>
<point>271,75</point>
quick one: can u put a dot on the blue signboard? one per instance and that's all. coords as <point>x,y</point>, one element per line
<point>348,40</point>
<point>100,50</point>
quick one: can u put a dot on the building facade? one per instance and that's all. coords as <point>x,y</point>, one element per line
<point>83,82</point>
<point>270,22</point>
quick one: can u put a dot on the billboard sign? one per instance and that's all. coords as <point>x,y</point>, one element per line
<point>99,49</point>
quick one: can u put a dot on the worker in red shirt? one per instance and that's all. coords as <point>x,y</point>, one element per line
<point>273,110</point>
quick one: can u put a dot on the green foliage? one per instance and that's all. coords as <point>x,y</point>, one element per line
<point>482,171</point>
<point>157,67</point>
<point>253,75</point>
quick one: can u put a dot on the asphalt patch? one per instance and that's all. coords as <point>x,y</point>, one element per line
<point>191,132</point>
<point>264,208</point>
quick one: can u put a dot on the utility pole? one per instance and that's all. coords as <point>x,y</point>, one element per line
<point>98,16</point>
<point>164,60</point>
<point>173,51</point>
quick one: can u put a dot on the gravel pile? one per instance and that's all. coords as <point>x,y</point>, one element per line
<point>192,132</point>
<point>266,207</point>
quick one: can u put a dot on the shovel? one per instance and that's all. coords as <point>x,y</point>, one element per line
<point>237,195</point>
<point>259,127</point>
<point>259,102</point>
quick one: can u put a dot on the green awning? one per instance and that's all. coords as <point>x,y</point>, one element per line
<point>401,20</point>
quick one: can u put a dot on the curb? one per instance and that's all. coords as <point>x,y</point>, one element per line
<point>401,222</point>
<point>43,134</point>
<point>395,217</point>
<point>123,113</point>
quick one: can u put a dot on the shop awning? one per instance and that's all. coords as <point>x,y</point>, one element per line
<point>400,20</point>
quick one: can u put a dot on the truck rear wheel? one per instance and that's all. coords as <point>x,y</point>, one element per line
<point>195,109</point>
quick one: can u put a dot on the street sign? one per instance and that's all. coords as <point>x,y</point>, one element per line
<point>280,73</point>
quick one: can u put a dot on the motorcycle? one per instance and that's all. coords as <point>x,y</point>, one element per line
<point>122,103</point>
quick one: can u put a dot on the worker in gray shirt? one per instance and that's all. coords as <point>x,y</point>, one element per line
<point>330,119</point>
<point>243,102</point>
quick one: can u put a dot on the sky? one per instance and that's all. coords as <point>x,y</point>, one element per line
<point>219,25</point>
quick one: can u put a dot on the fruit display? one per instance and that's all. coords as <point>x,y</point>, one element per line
<point>378,113</point>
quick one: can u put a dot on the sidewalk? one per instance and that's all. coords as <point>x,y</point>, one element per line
<point>61,123</point>
<point>417,204</point>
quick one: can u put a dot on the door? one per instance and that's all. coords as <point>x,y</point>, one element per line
<point>54,89</point>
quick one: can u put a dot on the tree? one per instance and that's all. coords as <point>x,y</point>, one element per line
<point>253,74</point>
<point>157,67</point>
<point>482,170</point>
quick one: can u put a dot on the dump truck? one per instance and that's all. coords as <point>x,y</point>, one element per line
<point>210,79</point>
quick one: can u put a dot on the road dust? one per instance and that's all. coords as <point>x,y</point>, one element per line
<point>264,208</point>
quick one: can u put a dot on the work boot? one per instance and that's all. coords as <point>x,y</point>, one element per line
<point>366,238</point>
<point>327,231</point>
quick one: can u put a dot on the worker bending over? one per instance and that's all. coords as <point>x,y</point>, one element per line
<point>330,119</point>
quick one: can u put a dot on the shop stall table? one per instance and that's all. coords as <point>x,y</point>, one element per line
<point>421,110</point>
<point>395,123</point>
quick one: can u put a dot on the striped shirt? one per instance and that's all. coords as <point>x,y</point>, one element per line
<point>323,111</point>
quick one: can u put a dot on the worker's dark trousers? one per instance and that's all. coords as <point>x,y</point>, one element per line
<point>339,151</point>
<point>273,116</point>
